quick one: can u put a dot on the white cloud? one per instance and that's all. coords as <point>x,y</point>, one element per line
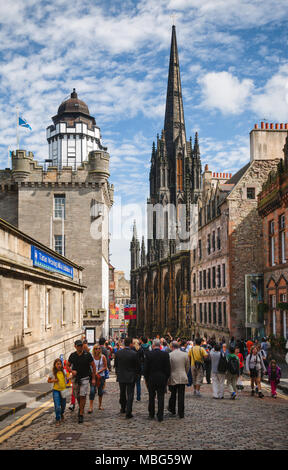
<point>271,102</point>
<point>225,92</point>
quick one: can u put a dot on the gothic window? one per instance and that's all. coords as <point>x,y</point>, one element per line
<point>214,313</point>
<point>209,244</point>
<point>205,313</point>
<point>209,313</point>
<point>201,313</point>
<point>224,314</point>
<point>204,279</point>
<point>272,243</point>
<point>219,276</point>
<point>213,241</point>
<point>224,275</point>
<point>179,174</point>
<point>214,277</point>
<point>220,313</point>
<point>200,249</point>
<point>209,278</point>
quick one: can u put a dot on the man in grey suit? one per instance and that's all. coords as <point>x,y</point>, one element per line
<point>178,380</point>
<point>127,367</point>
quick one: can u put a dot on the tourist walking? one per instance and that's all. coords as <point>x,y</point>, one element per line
<point>127,367</point>
<point>83,371</point>
<point>233,370</point>
<point>178,379</point>
<point>100,362</point>
<point>255,366</point>
<point>196,356</point>
<point>157,371</point>
<point>218,371</point>
<point>274,375</point>
<point>58,378</point>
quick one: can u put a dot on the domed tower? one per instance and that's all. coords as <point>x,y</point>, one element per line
<point>73,135</point>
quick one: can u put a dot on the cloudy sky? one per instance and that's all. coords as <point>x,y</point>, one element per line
<point>234,70</point>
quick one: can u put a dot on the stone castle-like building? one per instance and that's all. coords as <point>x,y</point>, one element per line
<point>65,203</point>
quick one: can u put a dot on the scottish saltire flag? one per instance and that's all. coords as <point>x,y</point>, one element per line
<point>24,123</point>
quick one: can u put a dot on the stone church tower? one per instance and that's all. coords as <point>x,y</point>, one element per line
<point>175,184</point>
<point>175,174</point>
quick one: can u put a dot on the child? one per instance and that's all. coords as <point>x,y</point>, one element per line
<point>274,374</point>
<point>58,378</point>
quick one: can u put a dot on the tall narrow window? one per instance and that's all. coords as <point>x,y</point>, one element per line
<point>194,282</point>
<point>214,277</point>
<point>219,276</point>
<point>59,206</point>
<point>200,280</point>
<point>220,313</point>
<point>59,244</point>
<point>224,314</point>
<point>213,240</point>
<point>204,279</point>
<point>200,249</point>
<point>214,313</point>
<point>201,313</point>
<point>205,313</point>
<point>218,239</point>
<point>209,244</point>
<point>209,313</point>
<point>223,275</point>
<point>209,278</point>
<point>179,174</point>
<point>272,242</point>
<point>195,312</point>
<point>282,256</point>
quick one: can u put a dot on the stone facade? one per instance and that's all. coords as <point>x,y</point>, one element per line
<point>122,298</point>
<point>272,207</point>
<point>45,317</point>
<point>67,210</point>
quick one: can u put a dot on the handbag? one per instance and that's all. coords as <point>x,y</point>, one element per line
<point>107,374</point>
<point>66,393</point>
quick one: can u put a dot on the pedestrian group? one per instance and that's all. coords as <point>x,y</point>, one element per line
<point>167,364</point>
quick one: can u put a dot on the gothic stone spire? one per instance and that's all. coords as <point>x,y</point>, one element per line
<point>174,125</point>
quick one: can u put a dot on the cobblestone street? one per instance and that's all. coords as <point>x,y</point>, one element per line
<point>246,423</point>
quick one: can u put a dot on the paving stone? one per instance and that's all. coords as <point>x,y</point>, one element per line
<point>199,430</point>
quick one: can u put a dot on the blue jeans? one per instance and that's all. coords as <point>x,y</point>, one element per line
<point>138,388</point>
<point>59,404</point>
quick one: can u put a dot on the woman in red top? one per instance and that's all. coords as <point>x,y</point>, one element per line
<point>241,366</point>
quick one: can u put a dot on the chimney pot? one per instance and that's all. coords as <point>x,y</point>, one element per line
<point>286,126</point>
<point>256,126</point>
<point>281,126</point>
<point>267,125</point>
<point>271,126</point>
<point>262,125</point>
<point>277,126</point>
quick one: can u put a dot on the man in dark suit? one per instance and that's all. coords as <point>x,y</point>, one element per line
<point>127,367</point>
<point>156,372</point>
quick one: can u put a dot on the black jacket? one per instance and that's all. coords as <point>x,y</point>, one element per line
<point>157,368</point>
<point>127,365</point>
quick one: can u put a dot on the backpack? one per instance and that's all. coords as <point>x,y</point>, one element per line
<point>233,365</point>
<point>222,365</point>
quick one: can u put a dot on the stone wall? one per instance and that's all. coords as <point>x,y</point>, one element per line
<point>28,350</point>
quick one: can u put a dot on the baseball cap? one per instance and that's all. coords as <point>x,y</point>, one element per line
<point>78,342</point>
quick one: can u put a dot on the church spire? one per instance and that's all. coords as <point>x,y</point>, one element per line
<point>174,125</point>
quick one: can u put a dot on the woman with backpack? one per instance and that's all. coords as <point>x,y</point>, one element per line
<point>255,366</point>
<point>233,370</point>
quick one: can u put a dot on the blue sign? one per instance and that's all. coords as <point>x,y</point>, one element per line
<point>45,261</point>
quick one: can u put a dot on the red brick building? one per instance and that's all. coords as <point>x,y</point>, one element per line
<point>272,207</point>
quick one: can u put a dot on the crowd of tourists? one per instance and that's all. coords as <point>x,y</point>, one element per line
<point>168,365</point>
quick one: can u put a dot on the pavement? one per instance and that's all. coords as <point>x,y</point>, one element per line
<point>21,397</point>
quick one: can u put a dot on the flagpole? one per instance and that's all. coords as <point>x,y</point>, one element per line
<point>17,127</point>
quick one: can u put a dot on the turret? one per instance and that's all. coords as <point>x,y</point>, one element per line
<point>21,161</point>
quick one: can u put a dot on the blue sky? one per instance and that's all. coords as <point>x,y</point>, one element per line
<point>234,70</point>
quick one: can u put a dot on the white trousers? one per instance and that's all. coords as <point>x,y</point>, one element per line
<point>218,381</point>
